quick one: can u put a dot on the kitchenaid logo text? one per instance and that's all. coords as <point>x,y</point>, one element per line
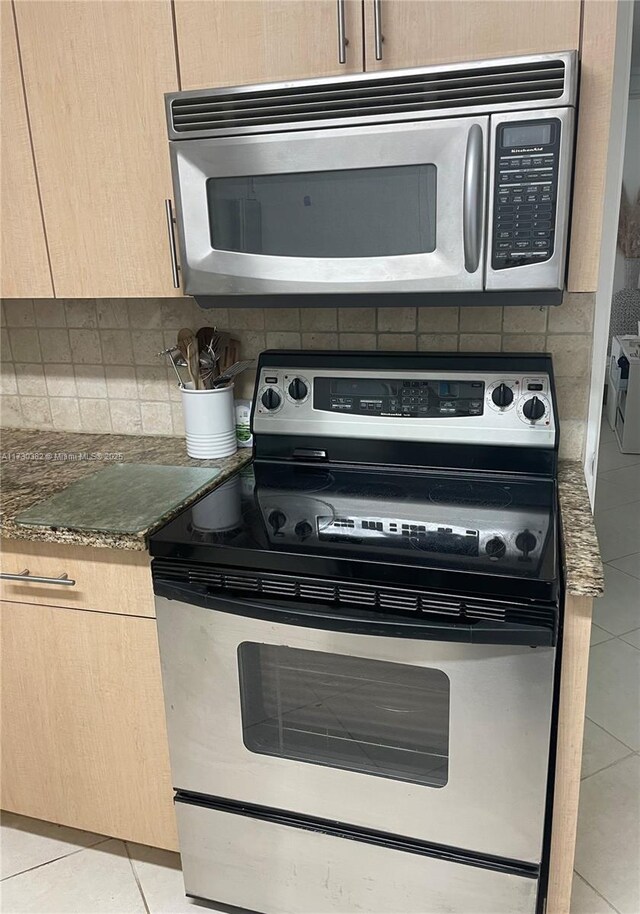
<point>527,149</point>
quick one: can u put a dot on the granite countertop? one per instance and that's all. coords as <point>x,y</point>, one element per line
<point>38,464</point>
<point>584,574</point>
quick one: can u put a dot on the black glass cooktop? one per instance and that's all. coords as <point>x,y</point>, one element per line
<point>479,533</point>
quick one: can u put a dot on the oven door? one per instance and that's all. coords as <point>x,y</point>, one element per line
<point>391,208</point>
<point>435,740</point>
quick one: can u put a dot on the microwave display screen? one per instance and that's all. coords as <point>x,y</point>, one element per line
<point>526,135</point>
<point>396,397</point>
<point>365,212</point>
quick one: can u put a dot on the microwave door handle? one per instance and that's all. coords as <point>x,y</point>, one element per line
<point>473,216</point>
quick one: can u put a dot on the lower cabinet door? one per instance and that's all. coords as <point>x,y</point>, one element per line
<point>83,729</point>
<point>272,868</point>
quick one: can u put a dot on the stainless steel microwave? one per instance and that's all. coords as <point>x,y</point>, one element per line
<point>434,180</point>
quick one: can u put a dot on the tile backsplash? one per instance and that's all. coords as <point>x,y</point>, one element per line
<point>92,364</point>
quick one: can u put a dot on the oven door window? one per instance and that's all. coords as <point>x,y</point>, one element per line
<point>363,212</point>
<point>371,716</point>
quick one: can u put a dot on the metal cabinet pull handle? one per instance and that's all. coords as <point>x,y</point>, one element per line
<point>473,215</point>
<point>27,578</point>
<point>377,27</point>
<point>172,244</point>
<point>343,41</point>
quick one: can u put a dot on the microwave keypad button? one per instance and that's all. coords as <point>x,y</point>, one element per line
<point>503,246</point>
<point>541,244</point>
<point>518,198</point>
<point>506,209</point>
<point>504,234</point>
<point>541,224</point>
<point>546,198</point>
<point>522,234</point>
<point>522,245</point>
<point>540,233</point>
<point>503,198</point>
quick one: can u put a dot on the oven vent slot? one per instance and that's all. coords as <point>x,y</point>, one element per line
<point>371,597</point>
<point>400,95</point>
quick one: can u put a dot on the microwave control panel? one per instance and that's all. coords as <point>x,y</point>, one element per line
<point>526,186</point>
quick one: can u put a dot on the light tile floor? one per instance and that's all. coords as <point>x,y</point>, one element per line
<point>607,878</point>
<point>49,869</point>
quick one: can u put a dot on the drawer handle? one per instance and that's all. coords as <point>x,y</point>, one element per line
<point>27,578</point>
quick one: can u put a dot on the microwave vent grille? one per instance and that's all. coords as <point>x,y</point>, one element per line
<point>352,101</point>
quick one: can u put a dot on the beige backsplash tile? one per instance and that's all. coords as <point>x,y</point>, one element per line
<point>19,312</point>
<point>95,415</point>
<point>103,372</point>
<point>438,320</point>
<point>61,380</point>
<point>524,320</point>
<point>85,347</point>
<point>361,341</point>
<point>125,417</point>
<point>397,320</point>
<point>8,384</point>
<point>358,320</point>
<point>480,320</point>
<point>318,319</point>
<point>480,342</point>
<point>30,380</point>
<point>36,412</point>
<point>65,414</point>
<point>25,344</point>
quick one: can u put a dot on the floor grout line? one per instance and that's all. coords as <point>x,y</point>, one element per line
<point>586,717</point>
<point>135,876</point>
<point>610,765</point>
<point>38,866</point>
<point>599,894</point>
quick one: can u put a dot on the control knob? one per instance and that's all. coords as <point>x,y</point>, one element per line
<point>271,399</point>
<point>303,529</point>
<point>298,390</point>
<point>526,543</point>
<point>495,548</point>
<point>533,409</point>
<point>502,396</point>
<point>277,520</point>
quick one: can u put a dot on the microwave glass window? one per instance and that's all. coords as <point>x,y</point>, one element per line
<point>367,212</point>
<point>371,716</point>
<point>526,135</point>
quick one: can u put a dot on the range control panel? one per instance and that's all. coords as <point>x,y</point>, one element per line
<point>455,406</point>
<point>402,398</point>
<point>526,185</point>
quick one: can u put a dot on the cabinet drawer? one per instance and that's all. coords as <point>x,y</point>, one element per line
<point>106,580</point>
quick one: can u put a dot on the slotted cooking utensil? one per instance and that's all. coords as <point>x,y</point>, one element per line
<point>231,372</point>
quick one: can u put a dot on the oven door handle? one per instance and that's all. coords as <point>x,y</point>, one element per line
<point>357,621</point>
<point>473,210</point>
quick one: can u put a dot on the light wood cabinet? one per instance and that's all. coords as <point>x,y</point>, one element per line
<point>418,33</point>
<point>230,43</point>
<point>95,74</point>
<point>83,730</point>
<point>24,268</point>
<point>106,580</point>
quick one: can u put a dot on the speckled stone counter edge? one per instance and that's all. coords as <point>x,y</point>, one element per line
<point>584,573</point>
<point>26,481</point>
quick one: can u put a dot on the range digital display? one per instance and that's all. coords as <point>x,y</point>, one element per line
<point>409,398</point>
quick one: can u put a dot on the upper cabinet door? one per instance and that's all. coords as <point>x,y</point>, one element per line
<point>419,33</point>
<point>231,42</point>
<point>24,270</point>
<point>95,74</point>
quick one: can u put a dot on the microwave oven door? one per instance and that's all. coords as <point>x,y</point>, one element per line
<point>529,196</point>
<point>383,208</point>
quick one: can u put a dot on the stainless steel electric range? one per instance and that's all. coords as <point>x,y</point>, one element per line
<point>359,639</point>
